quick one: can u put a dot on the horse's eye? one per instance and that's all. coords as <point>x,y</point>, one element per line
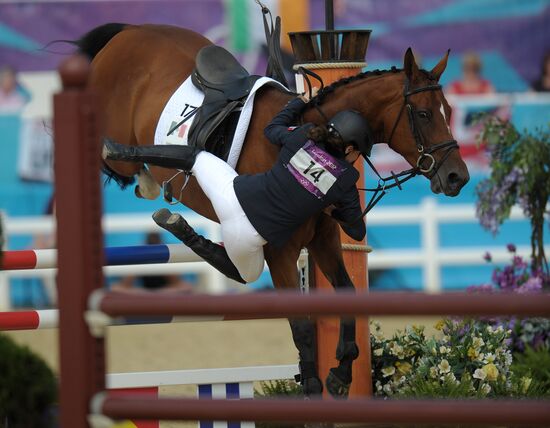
<point>423,114</point>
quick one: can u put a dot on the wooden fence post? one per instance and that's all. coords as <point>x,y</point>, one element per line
<point>79,239</point>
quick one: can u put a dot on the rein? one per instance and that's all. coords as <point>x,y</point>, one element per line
<point>425,154</point>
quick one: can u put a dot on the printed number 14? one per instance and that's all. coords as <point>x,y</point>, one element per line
<point>316,174</point>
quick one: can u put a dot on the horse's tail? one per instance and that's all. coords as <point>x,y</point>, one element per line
<point>90,44</point>
<point>95,40</point>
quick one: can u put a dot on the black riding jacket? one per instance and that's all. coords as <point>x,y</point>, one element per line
<point>304,180</point>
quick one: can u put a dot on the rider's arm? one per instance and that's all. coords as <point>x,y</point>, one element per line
<point>348,214</point>
<point>278,129</point>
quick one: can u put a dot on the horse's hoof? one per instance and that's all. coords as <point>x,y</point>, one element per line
<point>312,387</point>
<point>337,387</point>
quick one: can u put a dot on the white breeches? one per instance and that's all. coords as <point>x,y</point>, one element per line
<point>243,243</point>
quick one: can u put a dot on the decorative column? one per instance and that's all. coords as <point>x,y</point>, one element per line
<point>334,55</point>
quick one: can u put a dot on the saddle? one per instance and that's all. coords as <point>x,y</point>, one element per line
<point>226,86</point>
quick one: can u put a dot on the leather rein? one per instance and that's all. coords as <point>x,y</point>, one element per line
<point>425,153</point>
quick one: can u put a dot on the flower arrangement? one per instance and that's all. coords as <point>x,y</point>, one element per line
<point>520,174</point>
<point>470,359</point>
<point>519,277</point>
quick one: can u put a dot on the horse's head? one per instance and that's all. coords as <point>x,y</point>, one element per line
<point>416,125</point>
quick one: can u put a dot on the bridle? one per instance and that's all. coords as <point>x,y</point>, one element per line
<point>425,154</point>
<point>396,180</point>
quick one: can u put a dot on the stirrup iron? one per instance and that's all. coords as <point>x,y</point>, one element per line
<point>167,190</point>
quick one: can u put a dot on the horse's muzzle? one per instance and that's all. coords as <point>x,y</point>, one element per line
<point>449,181</point>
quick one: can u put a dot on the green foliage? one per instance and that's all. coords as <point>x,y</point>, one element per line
<point>520,174</point>
<point>536,365</point>
<point>28,387</point>
<point>279,389</point>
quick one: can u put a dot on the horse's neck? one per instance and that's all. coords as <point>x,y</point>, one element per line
<point>372,96</point>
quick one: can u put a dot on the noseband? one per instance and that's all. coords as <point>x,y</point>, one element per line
<point>425,154</point>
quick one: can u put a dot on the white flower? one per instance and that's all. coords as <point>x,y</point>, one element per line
<point>486,388</point>
<point>508,358</point>
<point>388,371</point>
<point>478,342</point>
<point>446,339</point>
<point>489,358</point>
<point>480,374</point>
<point>444,350</point>
<point>378,352</point>
<point>433,372</point>
<point>387,389</point>
<point>378,335</point>
<point>397,350</point>
<point>499,329</point>
<point>378,385</point>
<point>480,357</point>
<point>489,329</point>
<point>444,366</point>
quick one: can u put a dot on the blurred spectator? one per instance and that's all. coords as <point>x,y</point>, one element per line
<point>543,83</point>
<point>472,82</point>
<point>12,99</point>
<point>155,282</point>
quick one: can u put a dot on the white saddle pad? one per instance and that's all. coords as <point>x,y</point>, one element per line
<point>179,113</point>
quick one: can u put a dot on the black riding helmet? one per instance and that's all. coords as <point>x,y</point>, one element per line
<point>353,129</point>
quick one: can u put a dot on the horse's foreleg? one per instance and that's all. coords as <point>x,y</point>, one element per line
<point>326,251</point>
<point>284,272</point>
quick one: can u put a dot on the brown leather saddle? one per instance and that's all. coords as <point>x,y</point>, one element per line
<point>226,86</point>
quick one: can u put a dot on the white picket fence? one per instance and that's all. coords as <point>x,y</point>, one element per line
<point>430,257</point>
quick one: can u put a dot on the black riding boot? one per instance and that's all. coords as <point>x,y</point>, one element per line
<point>212,253</point>
<point>167,156</point>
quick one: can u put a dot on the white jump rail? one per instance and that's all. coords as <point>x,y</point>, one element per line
<point>201,376</point>
<point>429,215</point>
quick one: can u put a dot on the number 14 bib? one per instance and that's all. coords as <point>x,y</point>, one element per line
<point>315,169</point>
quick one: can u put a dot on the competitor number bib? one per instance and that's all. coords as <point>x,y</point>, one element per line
<point>315,169</point>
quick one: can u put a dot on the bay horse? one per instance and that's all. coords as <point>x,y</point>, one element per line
<point>135,70</point>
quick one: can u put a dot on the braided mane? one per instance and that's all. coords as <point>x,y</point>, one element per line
<point>327,90</point>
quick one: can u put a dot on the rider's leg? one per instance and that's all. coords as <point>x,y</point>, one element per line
<point>167,156</point>
<point>242,256</point>
<point>243,243</point>
<point>212,253</point>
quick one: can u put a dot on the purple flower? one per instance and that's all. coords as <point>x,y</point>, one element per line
<point>487,257</point>
<point>532,285</point>
<point>511,247</point>
<point>485,288</point>
<point>519,263</point>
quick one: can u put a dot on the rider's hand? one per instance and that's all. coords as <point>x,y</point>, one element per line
<point>305,96</point>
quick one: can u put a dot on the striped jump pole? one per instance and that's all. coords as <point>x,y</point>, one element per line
<point>29,320</point>
<point>113,256</point>
<point>49,318</point>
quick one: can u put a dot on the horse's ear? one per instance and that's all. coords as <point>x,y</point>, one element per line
<point>409,64</point>
<point>438,70</point>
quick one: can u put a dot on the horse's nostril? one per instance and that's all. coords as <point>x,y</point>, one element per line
<point>453,178</point>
